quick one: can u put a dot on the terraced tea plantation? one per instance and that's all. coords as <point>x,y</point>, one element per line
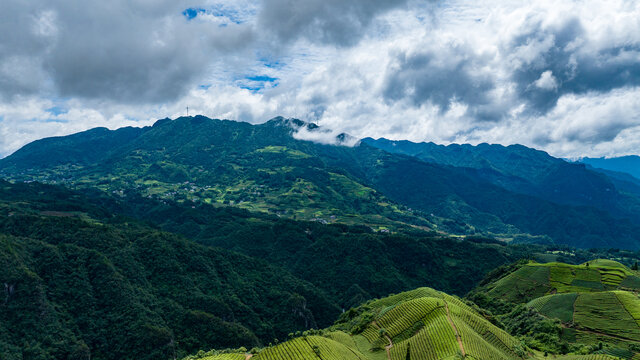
<point>534,280</point>
<point>593,316</point>
<point>596,304</point>
<point>423,324</point>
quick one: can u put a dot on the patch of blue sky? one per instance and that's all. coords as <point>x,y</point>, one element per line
<point>234,14</point>
<point>257,83</point>
<point>262,78</point>
<point>57,110</point>
<point>267,59</point>
<point>272,64</point>
<point>192,13</point>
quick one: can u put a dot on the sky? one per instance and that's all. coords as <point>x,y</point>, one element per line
<point>561,76</point>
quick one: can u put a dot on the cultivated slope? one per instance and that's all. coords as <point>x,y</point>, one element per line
<point>534,280</point>
<point>584,304</point>
<point>611,316</point>
<point>418,324</point>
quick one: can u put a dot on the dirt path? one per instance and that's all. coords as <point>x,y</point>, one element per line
<point>249,356</point>
<point>604,334</point>
<point>388,347</point>
<point>455,330</point>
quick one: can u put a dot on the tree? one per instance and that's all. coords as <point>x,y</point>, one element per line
<point>316,349</point>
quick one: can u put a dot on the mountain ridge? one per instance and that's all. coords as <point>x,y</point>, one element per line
<point>629,164</point>
<point>264,168</point>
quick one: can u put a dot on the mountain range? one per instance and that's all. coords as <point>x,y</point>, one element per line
<point>623,164</point>
<point>509,193</point>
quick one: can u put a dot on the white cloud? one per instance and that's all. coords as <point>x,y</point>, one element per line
<point>547,81</point>
<point>563,77</point>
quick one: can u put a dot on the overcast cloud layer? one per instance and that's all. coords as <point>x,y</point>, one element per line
<point>559,76</point>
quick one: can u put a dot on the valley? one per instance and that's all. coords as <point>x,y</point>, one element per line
<point>319,180</point>
<point>199,234</point>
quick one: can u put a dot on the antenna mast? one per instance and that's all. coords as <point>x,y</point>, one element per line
<point>187,111</point>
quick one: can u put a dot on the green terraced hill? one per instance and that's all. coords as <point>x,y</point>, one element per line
<point>419,324</point>
<point>608,313</point>
<point>584,357</point>
<point>591,306</point>
<point>233,356</point>
<point>533,280</point>
<point>611,317</point>
<point>422,324</point>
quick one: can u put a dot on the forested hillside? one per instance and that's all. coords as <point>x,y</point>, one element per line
<point>86,274</point>
<point>81,283</point>
<point>507,193</point>
<point>525,171</point>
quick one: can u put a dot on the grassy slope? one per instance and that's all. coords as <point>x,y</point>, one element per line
<point>596,318</point>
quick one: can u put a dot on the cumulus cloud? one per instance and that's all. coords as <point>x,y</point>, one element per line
<point>334,22</point>
<point>547,81</point>
<point>442,75</point>
<point>324,136</point>
<point>126,51</point>
<point>563,77</point>
<point>578,64</point>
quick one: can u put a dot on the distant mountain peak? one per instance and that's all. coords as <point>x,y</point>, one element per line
<point>629,164</point>
<point>292,123</point>
<point>161,122</point>
<point>308,131</point>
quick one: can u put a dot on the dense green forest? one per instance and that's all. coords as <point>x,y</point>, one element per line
<point>114,288</point>
<point>108,285</point>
